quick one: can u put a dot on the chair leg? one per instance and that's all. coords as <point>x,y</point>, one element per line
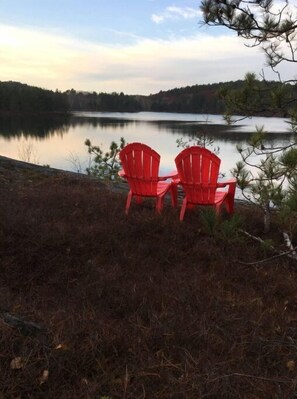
<point>128,203</point>
<point>159,204</point>
<point>183,210</point>
<point>230,198</point>
<point>229,204</point>
<point>218,209</point>
<point>173,192</point>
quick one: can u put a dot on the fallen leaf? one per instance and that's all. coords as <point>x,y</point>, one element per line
<point>62,347</point>
<point>17,363</point>
<point>290,365</point>
<point>44,377</point>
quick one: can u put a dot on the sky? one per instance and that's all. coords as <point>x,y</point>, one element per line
<point>129,46</point>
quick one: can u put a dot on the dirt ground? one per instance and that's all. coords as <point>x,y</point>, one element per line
<point>97,304</point>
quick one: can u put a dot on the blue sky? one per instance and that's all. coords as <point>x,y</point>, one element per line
<point>130,46</point>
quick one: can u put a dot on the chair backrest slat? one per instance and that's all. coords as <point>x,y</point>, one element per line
<point>198,170</point>
<point>141,166</point>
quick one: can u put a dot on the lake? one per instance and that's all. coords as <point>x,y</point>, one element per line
<point>59,142</point>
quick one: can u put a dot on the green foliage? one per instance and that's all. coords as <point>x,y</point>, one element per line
<point>229,229</point>
<point>209,221</point>
<point>292,193</point>
<point>258,97</point>
<point>266,246</point>
<point>265,173</point>
<point>242,174</point>
<point>105,165</point>
<point>289,161</point>
<point>226,230</point>
<point>255,20</point>
<point>287,217</point>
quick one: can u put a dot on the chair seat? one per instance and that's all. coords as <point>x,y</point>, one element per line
<point>163,187</point>
<point>159,190</point>
<point>220,197</point>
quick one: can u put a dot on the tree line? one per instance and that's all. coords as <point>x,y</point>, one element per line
<point>207,98</point>
<point>21,98</point>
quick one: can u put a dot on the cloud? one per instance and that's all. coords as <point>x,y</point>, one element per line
<point>158,18</point>
<point>151,65</point>
<point>27,55</point>
<point>52,60</point>
<point>176,13</point>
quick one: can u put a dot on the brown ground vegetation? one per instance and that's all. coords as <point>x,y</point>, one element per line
<point>94,304</point>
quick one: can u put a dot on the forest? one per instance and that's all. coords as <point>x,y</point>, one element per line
<point>19,98</point>
<point>196,99</point>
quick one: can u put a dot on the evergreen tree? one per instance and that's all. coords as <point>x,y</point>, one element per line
<point>270,25</point>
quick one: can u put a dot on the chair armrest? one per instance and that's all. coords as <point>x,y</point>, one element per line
<point>228,182</point>
<point>171,175</point>
<point>231,191</point>
<point>121,173</point>
<point>176,180</point>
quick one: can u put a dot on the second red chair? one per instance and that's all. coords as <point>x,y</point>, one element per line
<point>198,171</point>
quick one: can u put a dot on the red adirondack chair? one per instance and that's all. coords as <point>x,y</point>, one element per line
<point>141,169</point>
<point>198,171</point>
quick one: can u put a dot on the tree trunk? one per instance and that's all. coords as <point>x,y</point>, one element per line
<point>267,218</point>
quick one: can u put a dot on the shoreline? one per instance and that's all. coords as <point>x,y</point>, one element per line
<point>13,165</point>
<point>7,163</point>
<point>25,170</point>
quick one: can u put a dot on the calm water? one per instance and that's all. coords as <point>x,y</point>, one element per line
<point>60,142</point>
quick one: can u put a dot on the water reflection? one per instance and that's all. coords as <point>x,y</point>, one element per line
<point>232,134</point>
<point>33,126</point>
<point>101,122</point>
<point>235,133</point>
<point>55,140</point>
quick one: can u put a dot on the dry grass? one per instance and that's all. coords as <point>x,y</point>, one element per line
<point>135,307</point>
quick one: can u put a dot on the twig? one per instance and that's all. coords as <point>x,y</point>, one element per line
<point>25,327</point>
<point>270,258</point>
<point>251,236</point>
<point>126,382</point>
<point>280,253</point>
<point>246,376</point>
